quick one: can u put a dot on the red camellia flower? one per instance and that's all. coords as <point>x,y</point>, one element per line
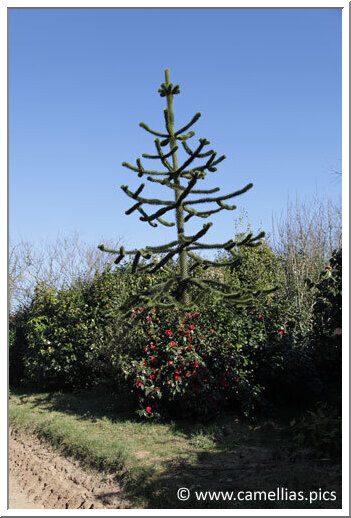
<point>157,388</point>
<point>196,364</point>
<point>194,372</point>
<point>173,343</point>
<point>145,349</point>
<point>189,347</point>
<point>196,314</point>
<point>153,347</point>
<point>192,327</point>
<point>170,362</point>
<point>211,330</point>
<point>169,382</point>
<point>148,409</point>
<point>177,371</point>
<point>150,319</point>
<point>187,374</point>
<point>140,383</point>
<point>169,333</point>
<point>176,378</point>
<point>280,332</point>
<point>140,309</point>
<point>259,317</point>
<point>152,376</point>
<point>153,359</point>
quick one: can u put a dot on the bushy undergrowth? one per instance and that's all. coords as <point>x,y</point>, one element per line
<point>185,364</point>
<point>185,367</point>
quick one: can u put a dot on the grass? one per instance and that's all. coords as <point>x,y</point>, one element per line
<point>152,460</point>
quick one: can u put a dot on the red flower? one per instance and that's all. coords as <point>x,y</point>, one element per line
<point>194,372</point>
<point>152,376</point>
<point>139,384</point>
<point>259,317</point>
<point>196,314</point>
<point>145,349</point>
<point>280,332</point>
<point>153,359</point>
<point>157,388</point>
<point>148,409</point>
<point>189,347</point>
<point>211,330</point>
<point>140,309</point>
<point>192,327</point>
<point>187,374</point>
<point>176,378</point>
<point>189,316</point>
<point>196,364</point>
<point>177,371</point>
<point>150,319</point>
<point>170,362</point>
<point>169,382</point>
<point>169,333</point>
<point>153,347</point>
<point>173,343</point>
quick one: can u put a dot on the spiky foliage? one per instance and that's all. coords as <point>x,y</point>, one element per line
<point>185,285</point>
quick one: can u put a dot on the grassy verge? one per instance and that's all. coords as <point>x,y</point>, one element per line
<point>153,460</point>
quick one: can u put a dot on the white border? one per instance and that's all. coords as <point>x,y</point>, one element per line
<point>345,199</point>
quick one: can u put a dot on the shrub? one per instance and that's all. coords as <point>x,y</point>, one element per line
<point>17,345</point>
<point>60,343</point>
<point>287,372</point>
<point>326,335</point>
<point>320,429</point>
<point>183,366</point>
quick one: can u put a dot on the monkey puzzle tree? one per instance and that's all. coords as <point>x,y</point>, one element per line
<point>186,284</point>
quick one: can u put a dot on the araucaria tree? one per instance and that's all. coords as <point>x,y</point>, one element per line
<point>185,284</point>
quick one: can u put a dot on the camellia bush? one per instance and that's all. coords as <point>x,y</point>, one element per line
<point>181,366</point>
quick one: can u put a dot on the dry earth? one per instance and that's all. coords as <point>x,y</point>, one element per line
<point>40,478</point>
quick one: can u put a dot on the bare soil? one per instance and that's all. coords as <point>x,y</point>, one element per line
<point>40,478</point>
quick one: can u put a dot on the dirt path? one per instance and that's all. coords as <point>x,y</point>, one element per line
<point>40,478</point>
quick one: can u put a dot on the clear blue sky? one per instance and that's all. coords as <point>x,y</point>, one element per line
<point>267,82</point>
